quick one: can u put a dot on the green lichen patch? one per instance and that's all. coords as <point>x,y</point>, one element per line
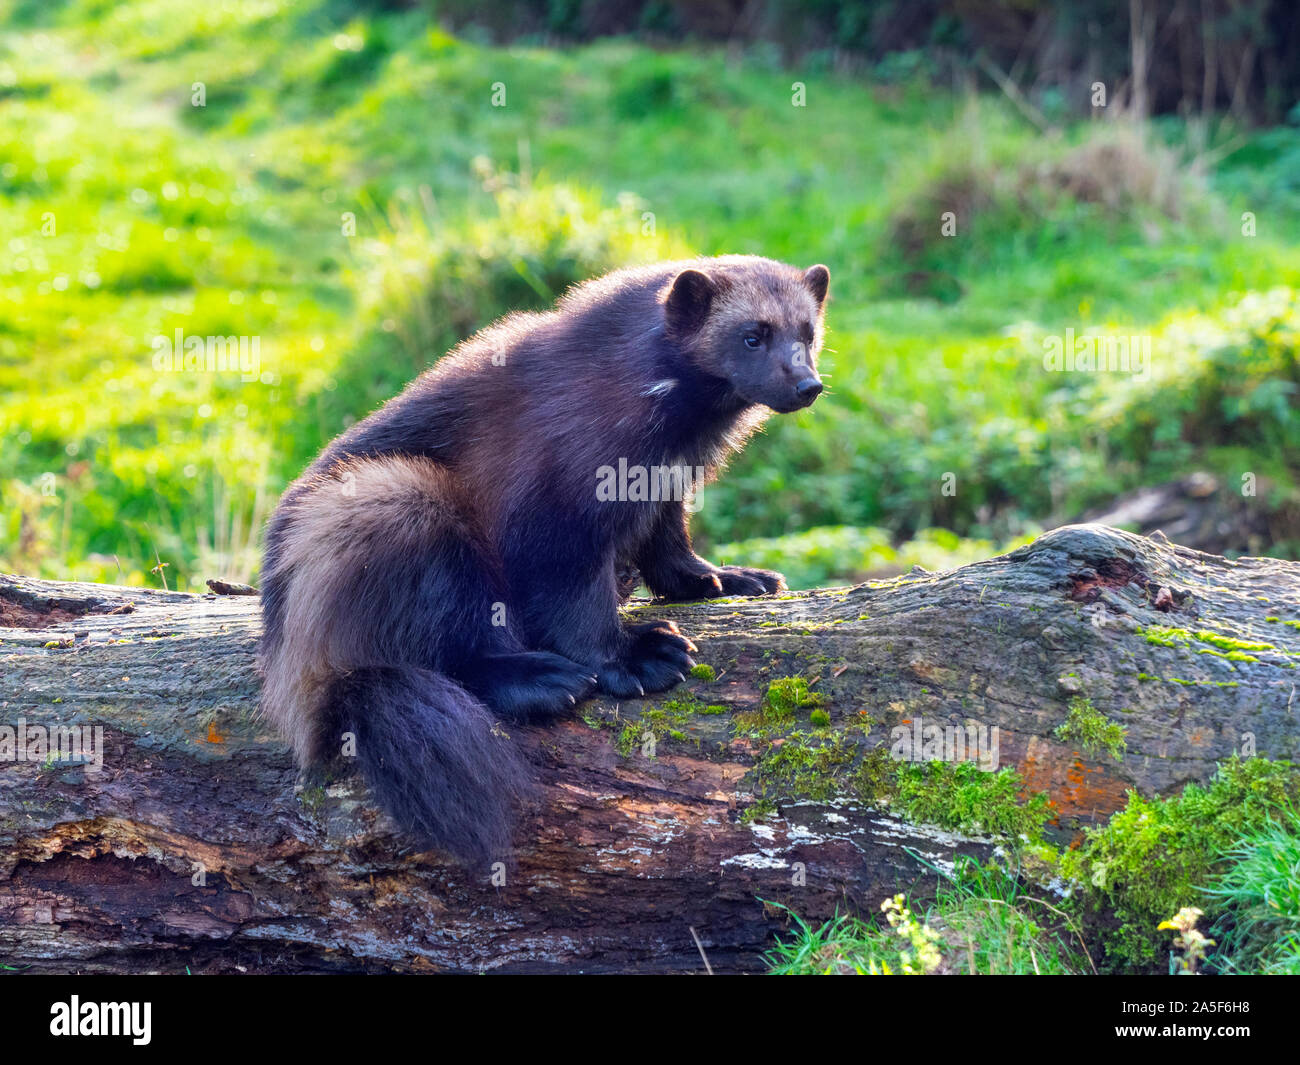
<point>1232,656</point>
<point>630,737</point>
<point>814,763</point>
<point>1163,636</point>
<point>1219,646</point>
<point>312,798</point>
<point>673,719</point>
<point>704,672</point>
<point>1086,726</point>
<point>783,702</point>
<point>958,796</point>
<point>965,798</point>
<point>789,695</point>
<point>820,767</point>
<point>1194,683</point>
<point>593,719</point>
<point>1172,637</point>
<point>1228,643</point>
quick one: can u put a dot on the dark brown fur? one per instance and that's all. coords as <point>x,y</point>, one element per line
<point>449,558</point>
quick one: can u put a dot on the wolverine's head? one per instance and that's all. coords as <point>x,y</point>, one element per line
<point>754,323</point>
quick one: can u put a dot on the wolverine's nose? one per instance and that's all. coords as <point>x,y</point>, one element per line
<point>809,389</point>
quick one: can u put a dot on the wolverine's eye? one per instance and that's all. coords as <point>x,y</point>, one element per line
<point>752,341</point>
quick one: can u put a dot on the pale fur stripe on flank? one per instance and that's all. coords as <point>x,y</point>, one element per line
<point>344,519</point>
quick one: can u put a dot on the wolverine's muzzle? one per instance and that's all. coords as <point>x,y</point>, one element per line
<point>808,390</point>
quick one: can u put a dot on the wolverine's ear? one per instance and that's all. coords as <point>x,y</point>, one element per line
<point>818,278</point>
<point>688,302</point>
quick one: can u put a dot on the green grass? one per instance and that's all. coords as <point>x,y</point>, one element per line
<point>349,195</point>
<point>981,922</point>
<point>1259,898</point>
<point>1231,848</point>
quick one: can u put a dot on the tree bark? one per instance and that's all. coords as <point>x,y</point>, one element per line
<point>197,845</point>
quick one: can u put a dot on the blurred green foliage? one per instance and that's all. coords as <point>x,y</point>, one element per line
<point>335,180</point>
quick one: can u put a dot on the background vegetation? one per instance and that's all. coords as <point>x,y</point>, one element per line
<point>348,194</point>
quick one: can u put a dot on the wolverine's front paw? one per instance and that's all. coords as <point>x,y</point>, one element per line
<point>718,581</point>
<point>655,658</point>
<point>737,580</point>
<point>685,587</point>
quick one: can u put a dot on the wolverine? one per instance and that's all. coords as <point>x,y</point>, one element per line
<point>456,560</point>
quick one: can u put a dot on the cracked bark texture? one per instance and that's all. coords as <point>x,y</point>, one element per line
<point>197,845</point>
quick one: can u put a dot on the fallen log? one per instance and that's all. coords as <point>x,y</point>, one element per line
<point>196,845</point>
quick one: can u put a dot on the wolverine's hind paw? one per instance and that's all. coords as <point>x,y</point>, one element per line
<point>656,658</point>
<point>530,685</point>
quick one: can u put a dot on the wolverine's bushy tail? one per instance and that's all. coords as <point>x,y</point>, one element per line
<point>434,759</point>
